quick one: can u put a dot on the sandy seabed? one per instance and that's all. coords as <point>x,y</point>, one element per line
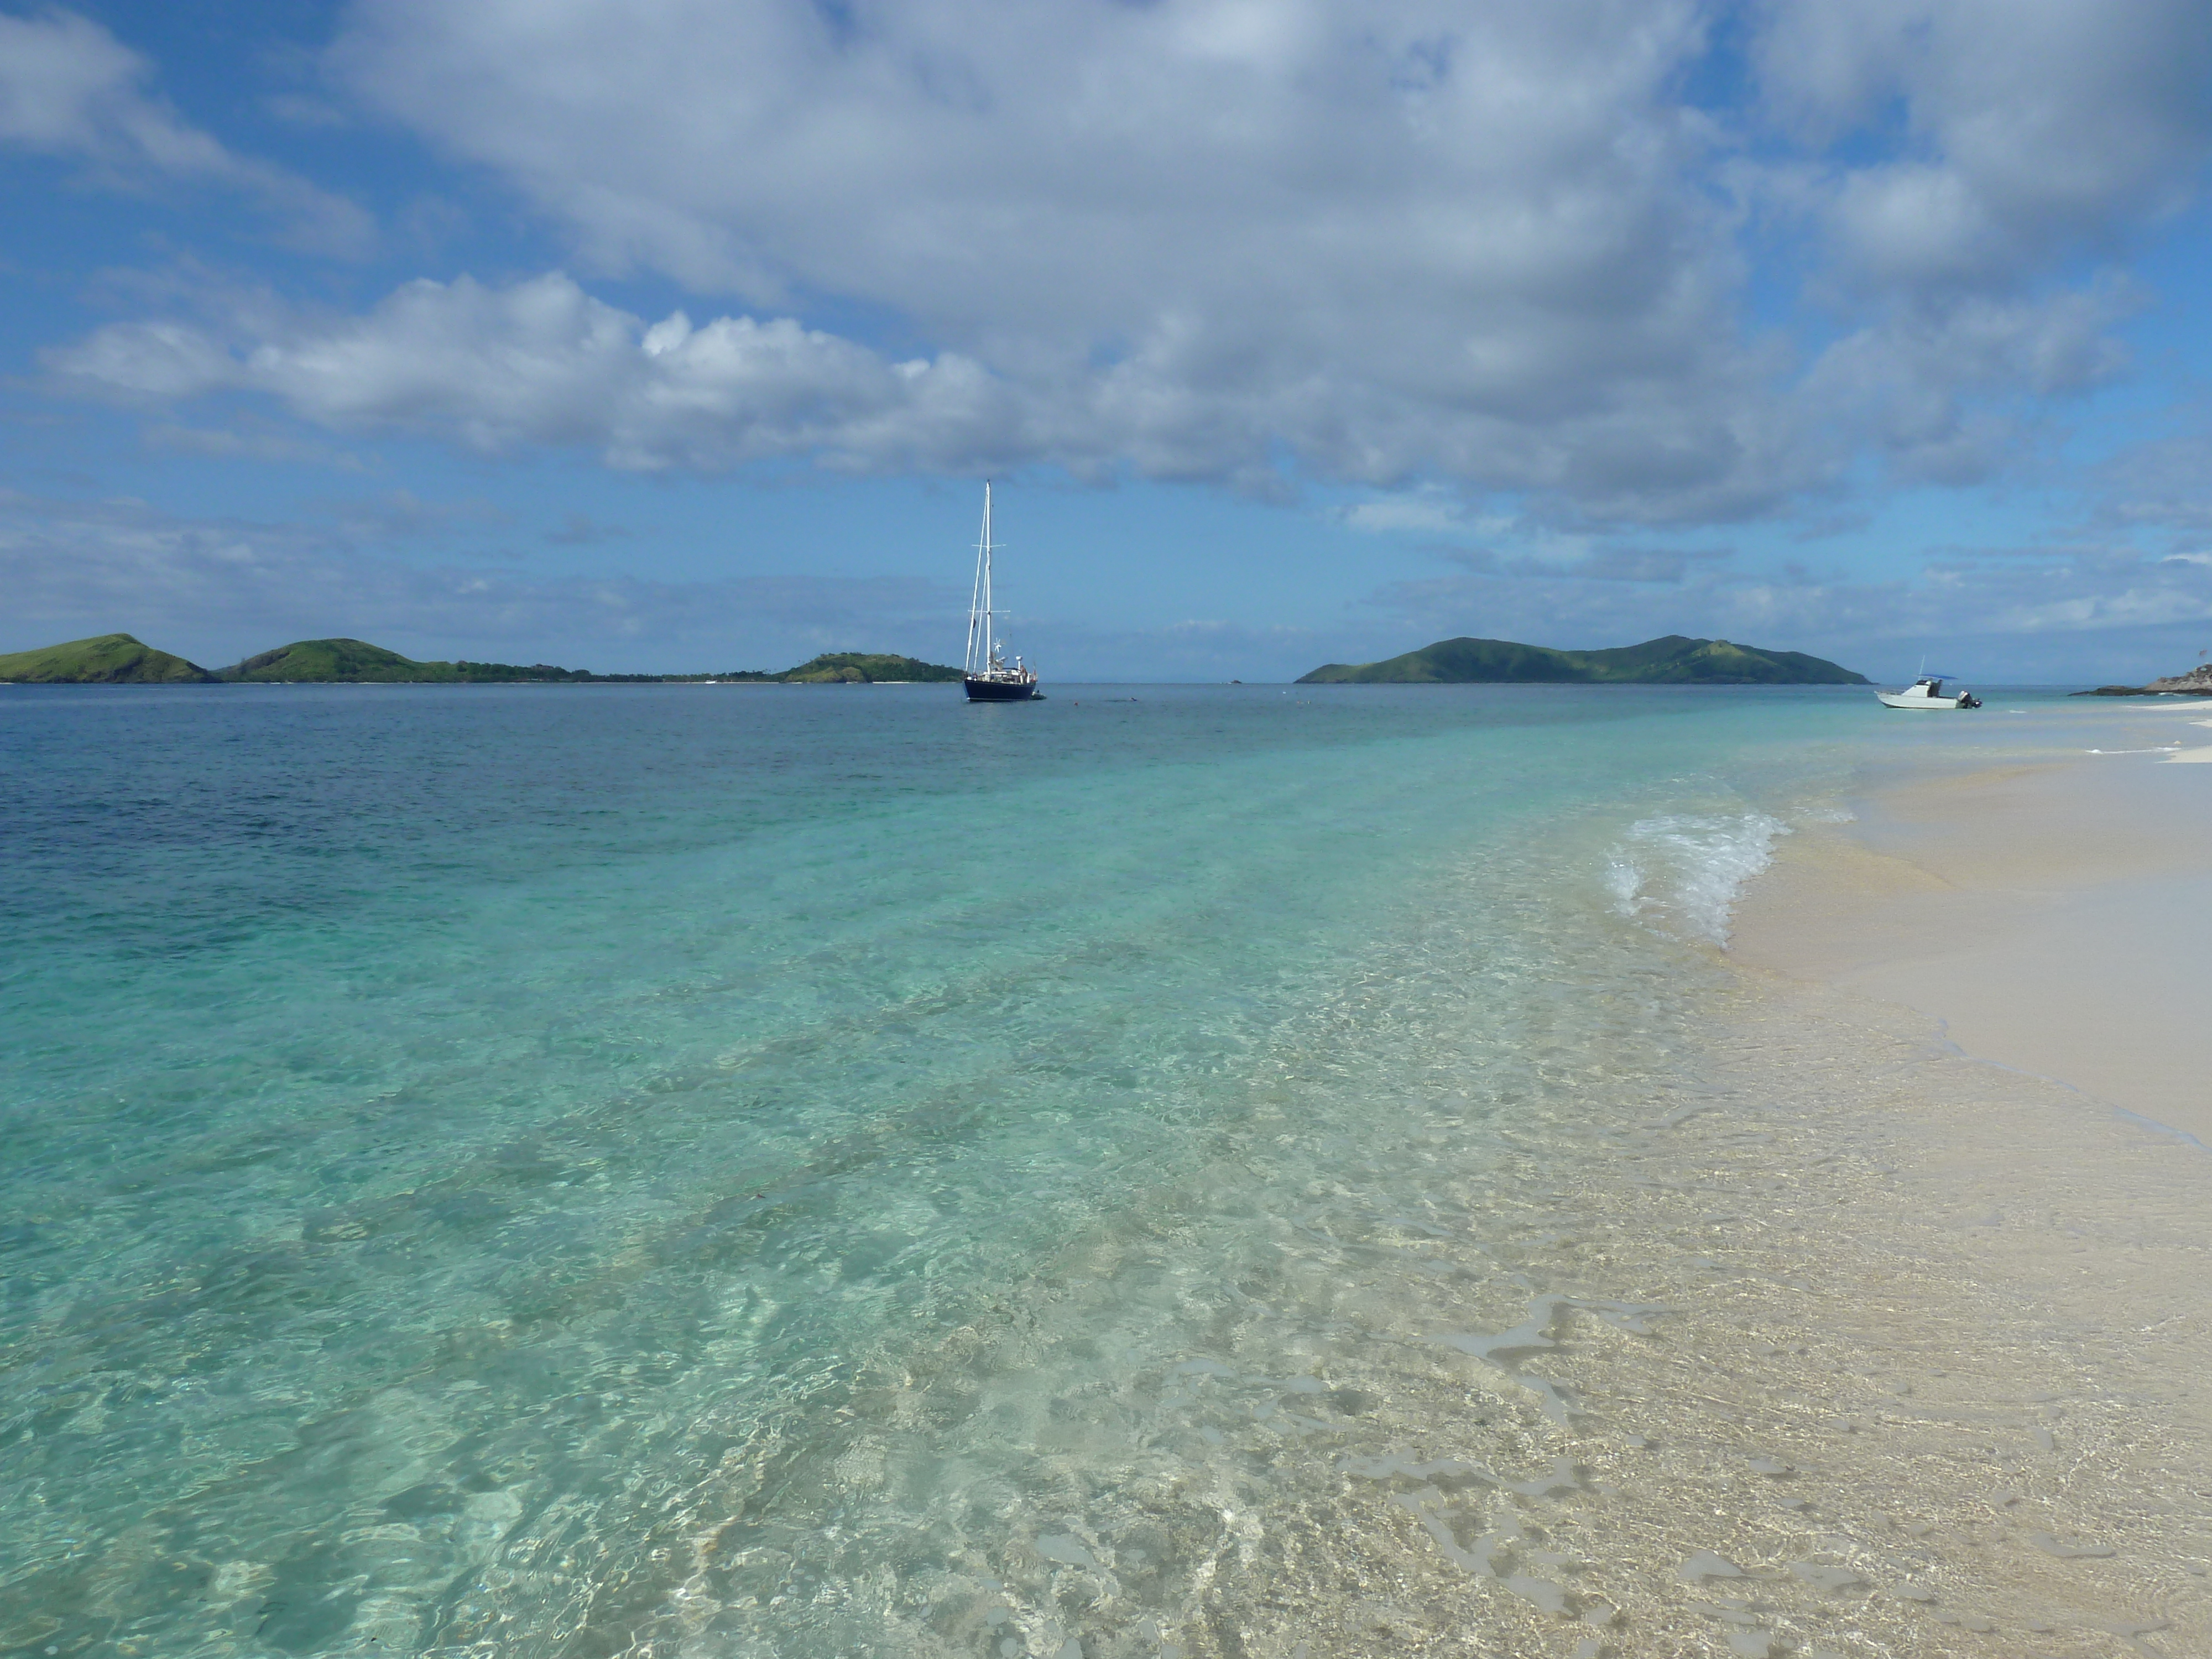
<point>1855,1346</point>
<point>1858,1347</point>
<point>1864,1343</point>
<point>1829,1336</point>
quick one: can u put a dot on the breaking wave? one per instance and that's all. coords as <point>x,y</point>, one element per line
<point>1682,874</point>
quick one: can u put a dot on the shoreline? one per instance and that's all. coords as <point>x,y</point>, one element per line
<point>2050,915</point>
<point>1937,1345</point>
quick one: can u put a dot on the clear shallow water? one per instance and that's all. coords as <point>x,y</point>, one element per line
<point>565,1169</point>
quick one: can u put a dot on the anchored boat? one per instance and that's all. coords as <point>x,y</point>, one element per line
<point>1930,691</point>
<point>990,677</point>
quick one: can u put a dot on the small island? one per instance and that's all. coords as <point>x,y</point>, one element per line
<point>103,659</point>
<point>2195,682</point>
<point>845,668</point>
<point>1673,659</point>
<point>122,659</point>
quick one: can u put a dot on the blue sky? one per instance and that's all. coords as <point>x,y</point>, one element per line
<point>680,336</point>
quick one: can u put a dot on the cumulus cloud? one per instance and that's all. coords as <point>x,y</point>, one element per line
<point>1402,238</point>
<point>2017,131</point>
<point>1427,508</point>
<point>1385,244</point>
<point>1198,237</point>
<point>544,362</point>
<point>68,88</point>
<point>1951,393</point>
<point>541,362</point>
<point>1954,160</point>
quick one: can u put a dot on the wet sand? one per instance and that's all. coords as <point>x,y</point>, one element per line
<point>1823,1339</point>
<point>1935,1378</point>
<point>2056,919</point>
<point>1850,1346</point>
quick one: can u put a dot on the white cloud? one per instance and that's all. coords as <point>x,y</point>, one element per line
<point>1951,391</point>
<point>544,362</point>
<point>1196,238</point>
<point>1389,239</point>
<point>1955,158</point>
<point>68,88</point>
<point>1380,244</point>
<point>2007,132</point>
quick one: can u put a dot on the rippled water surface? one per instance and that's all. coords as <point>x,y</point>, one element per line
<point>754,1170</point>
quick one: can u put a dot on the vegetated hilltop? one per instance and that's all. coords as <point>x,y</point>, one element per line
<point>103,659</point>
<point>1672,660</point>
<point>356,662</point>
<point>119,660</point>
<point>846,668</point>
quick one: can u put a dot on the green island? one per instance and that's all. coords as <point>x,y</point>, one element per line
<point>104,660</point>
<point>843,668</point>
<point>121,659</point>
<point>1673,659</point>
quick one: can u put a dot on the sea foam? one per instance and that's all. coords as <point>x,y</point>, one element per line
<point>1682,873</point>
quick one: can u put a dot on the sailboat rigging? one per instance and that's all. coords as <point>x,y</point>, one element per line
<point>990,677</point>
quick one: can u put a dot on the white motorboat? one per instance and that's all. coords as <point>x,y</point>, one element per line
<point>1930,691</point>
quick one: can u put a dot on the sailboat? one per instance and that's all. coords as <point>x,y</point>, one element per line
<point>990,677</point>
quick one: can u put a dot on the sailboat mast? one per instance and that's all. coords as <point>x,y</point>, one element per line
<point>979,597</point>
<point>990,628</point>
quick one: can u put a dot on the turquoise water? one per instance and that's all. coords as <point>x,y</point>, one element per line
<point>539,1170</point>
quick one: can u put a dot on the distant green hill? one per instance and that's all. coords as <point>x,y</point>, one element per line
<point>334,659</point>
<point>116,658</point>
<point>1672,660</point>
<point>104,660</point>
<point>356,662</point>
<point>861,668</point>
<point>836,668</point>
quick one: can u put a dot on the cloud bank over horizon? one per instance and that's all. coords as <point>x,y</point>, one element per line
<point>1664,285</point>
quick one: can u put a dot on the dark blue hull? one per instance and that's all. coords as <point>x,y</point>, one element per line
<point>1000,690</point>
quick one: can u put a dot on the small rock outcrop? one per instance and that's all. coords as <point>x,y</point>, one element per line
<point>2197,682</point>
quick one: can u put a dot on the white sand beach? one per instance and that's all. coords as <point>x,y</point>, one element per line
<point>2055,918</point>
<point>1951,1294</point>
